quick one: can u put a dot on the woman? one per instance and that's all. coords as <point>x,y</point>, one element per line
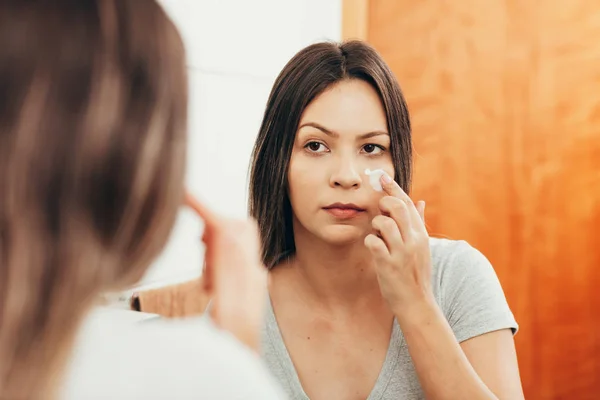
<point>93,99</point>
<point>364,303</point>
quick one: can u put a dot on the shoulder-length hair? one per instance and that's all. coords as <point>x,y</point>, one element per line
<point>310,72</point>
<point>93,100</point>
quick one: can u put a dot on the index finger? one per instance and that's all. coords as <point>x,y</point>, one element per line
<point>199,208</point>
<point>392,188</point>
<point>416,211</point>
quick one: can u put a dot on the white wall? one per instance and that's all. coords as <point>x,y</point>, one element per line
<point>235,49</point>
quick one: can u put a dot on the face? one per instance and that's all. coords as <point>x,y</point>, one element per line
<point>341,133</point>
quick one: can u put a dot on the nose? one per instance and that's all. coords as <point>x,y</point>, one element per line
<point>346,174</point>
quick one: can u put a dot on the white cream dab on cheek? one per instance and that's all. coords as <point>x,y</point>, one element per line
<point>375,178</point>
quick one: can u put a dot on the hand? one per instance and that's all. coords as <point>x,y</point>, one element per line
<point>234,276</point>
<point>400,249</point>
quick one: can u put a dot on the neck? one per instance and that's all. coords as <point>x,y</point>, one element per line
<point>335,274</point>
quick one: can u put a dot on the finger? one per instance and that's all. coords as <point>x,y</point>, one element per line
<point>207,278</point>
<point>389,231</point>
<point>421,209</point>
<point>207,215</point>
<point>392,188</point>
<point>377,247</point>
<point>209,218</point>
<point>401,213</point>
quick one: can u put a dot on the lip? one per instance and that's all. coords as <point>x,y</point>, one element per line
<point>344,210</point>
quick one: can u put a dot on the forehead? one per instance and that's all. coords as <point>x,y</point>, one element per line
<point>350,106</point>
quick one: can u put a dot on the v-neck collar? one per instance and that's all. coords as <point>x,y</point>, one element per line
<point>284,358</point>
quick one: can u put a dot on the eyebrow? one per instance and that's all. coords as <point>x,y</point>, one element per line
<point>331,133</point>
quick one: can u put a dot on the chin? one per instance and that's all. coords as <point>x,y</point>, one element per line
<point>340,235</point>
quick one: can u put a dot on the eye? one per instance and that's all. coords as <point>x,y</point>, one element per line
<point>372,148</point>
<point>316,147</point>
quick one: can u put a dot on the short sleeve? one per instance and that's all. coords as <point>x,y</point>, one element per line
<point>471,295</point>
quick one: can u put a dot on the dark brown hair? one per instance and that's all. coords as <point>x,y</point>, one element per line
<point>310,72</point>
<point>93,100</point>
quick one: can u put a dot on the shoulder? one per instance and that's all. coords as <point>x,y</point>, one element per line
<point>447,249</point>
<point>181,359</point>
<point>468,290</point>
<point>455,260</point>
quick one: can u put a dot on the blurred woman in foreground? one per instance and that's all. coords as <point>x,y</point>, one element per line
<point>93,99</point>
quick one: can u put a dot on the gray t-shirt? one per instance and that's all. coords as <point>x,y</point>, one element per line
<point>467,290</point>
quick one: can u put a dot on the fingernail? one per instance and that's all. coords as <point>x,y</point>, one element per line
<point>386,178</point>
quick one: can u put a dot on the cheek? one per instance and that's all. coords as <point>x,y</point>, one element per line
<point>304,177</point>
<point>374,196</point>
<point>387,165</point>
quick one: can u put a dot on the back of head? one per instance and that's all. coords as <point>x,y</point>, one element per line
<point>93,101</point>
<point>309,73</point>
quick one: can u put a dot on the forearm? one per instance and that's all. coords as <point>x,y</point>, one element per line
<point>442,367</point>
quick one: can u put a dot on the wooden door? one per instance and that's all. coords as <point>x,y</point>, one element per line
<point>505,104</point>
